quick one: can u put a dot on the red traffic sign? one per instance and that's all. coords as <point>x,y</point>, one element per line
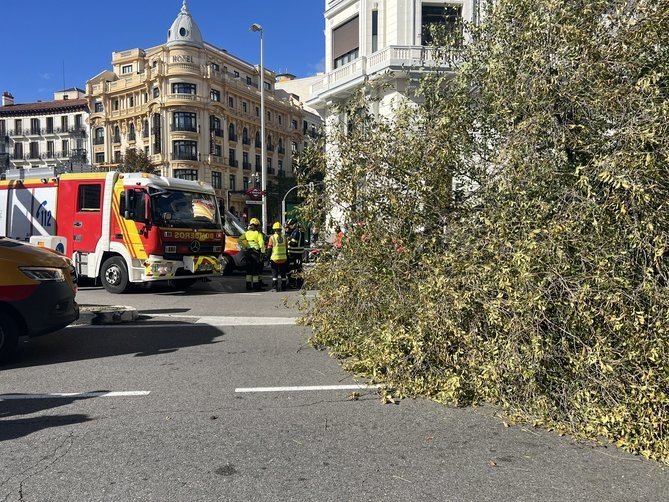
<point>256,193</point>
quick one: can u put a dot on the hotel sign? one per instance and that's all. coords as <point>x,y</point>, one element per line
<point>183,59</point>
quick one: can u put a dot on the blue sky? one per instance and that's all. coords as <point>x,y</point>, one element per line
<point>38,36</point>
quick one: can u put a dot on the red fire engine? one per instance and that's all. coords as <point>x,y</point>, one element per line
<point>120,228</point>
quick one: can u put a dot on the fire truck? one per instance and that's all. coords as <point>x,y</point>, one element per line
<point>120,228</point>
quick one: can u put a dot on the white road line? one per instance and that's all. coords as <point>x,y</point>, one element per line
<point>230,320</point>
<point>77,395</point>
<point>305,388</point>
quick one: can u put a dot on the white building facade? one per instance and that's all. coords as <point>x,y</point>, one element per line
<point>45,134</point>
<point>367,40</point>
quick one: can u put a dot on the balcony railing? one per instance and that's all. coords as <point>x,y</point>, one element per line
<point>132,137</point>
<point>116,140</point>
<point>270,148</point>
<point>270,170</point>
<point>98,141</point>
<point>185,156</point>
<point>232,137</point>
<point>258,167</point>
<point>282,149</point>
<point>246,141</point>
<point>258,144</point>
<point>217,132</point>
<point>233,163</point>
<point>246,165</point>
<point>183,128</point>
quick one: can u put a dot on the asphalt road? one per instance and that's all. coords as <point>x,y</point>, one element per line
<point>187,435</point>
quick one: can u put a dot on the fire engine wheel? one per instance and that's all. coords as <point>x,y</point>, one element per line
<point>229,265</point>
<point>9,337</point>
<point>114,275</point>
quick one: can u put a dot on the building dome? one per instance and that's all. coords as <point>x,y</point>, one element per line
<point>184,31</point>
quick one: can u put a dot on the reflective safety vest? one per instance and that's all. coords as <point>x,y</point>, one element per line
<point>254,240</point>
<point>296,242</point>
<point>277,243</point>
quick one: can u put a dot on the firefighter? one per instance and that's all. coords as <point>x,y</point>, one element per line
<point>295,238</point>
<point>253,244</point>
<point>277,251</point>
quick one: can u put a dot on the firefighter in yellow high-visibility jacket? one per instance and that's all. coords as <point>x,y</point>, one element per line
<point>277,250</point>
<point>252,243</point>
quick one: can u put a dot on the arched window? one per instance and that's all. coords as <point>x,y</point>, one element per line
<point>145,129</point>
<point>245,136</point>
<point>258,139</point>
<point>231,132</point>
<point>131,132</point>
<point>117,134</point>
<point>99,136</point>
<point>269,141</point>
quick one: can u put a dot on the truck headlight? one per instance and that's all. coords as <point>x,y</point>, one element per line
<point>161,268</point>
<point>43,274</point>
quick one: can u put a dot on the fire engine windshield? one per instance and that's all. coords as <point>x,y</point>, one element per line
<point>174,208</point>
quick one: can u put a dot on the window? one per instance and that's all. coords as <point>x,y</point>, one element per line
<point>245,106</point>
<point>34,150</point>
<point>77,122</point>
<point>146,97</point>
<point>49,149</point>
<point>447,16</point>
<point>131,101</point>
<point>293,124</point>
<point>184,88</point>
<point>231,133</point>
<point>99,107</point>
<point>156,92</point>
<point>64,123</point>
<point>186,174</point>
<point>232,157</point>
<point>269,115</point>
<point>145,129</point>
<point>65,147</point>
<point>245,136</point>
<point>18,150</point>
<point>3,130</point>
<point>231,102</point>
<point>131,132</point>
<point>117,135</point>
<point>17,126</point>
<point>249,81</point>
<point>233,182</point>
<point>215,67</point>
<point>215,95</point>
<point>257,111</point>
<point>293,147</point>
<point>269,163</point>
<point>184,150</point>
<point>34,126</point>
<point>100,158</point>
<point>258,143</point>
<point>280,119</point>
<point>154,63</point>
<point>345,42</point>
<point>89,198</point>
<point>125,69</point>
<point>258,166</point>
<point>146,151</point>
<point>99,136</point>
<point>184,121</point>
<point>117,156</point>
<point>280,165</point>
<point>236,74</point>
<point>49,125</point>
<point>375,30</point>
<point>245,159</point>
<point>246,183</point>
<point>216,180</point>
<point>268,86</point>
<point>115,104</point>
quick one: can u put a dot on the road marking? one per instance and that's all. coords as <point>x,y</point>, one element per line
<point>78,395</point>
<point>231,320</point>
<point>242,390</point>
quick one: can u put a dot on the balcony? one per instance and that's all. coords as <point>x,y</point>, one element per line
<point>246,165</point>
<point>215,159</point>
<point>258,168</point>
<point>246,141</point>
<point>217,132</point>
<point>99,141</point>
<point>185,156</point>
<point>183,128</point>
<point>232,137</point>
<point>400,58</point>
<point>270,170</point>
<point>270,148</point>
<point>116,140</point>
<point>233,163</point>
<point>258,144</point>
<point>282,149</point>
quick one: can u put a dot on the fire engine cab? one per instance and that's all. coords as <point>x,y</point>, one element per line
<point>120,228</point>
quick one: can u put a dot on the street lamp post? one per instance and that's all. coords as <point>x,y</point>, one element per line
<point>255,27</point>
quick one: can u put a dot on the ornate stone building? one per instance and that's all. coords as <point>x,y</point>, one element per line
<point>194,109</point>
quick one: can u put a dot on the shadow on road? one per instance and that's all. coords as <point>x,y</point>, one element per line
<point>77,344</point>
<point>13,429</point>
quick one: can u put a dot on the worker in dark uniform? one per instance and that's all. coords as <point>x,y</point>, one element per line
<point>295,238</point>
